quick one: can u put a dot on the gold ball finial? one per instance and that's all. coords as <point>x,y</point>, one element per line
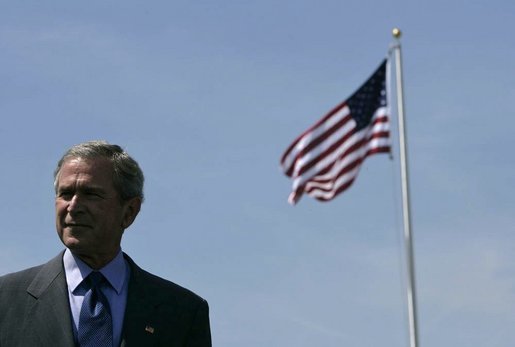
<point>396,32</point>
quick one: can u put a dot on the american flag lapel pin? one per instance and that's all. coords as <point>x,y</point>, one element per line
<point>149,329</point>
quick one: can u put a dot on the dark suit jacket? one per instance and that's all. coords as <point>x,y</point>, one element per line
<point>35,311</point>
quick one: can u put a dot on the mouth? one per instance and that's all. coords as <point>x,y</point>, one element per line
<point>76,225</point>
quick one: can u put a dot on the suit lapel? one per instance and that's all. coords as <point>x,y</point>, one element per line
<point>49,320</point>
<point>138,327</point>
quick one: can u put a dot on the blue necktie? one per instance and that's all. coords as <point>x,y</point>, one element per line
<point>95,323</point>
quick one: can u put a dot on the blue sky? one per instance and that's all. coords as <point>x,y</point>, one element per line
<point>207,95</point>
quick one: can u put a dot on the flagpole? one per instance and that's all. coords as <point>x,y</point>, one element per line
<point>408,243</point>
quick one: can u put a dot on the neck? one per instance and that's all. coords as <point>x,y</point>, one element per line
<point>96,261</point>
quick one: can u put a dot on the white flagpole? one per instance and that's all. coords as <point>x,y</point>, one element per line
<point>408,243</point>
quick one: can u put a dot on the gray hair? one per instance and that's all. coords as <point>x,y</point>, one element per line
<point>128,178</point>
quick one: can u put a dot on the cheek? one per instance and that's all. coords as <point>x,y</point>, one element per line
<point>59,209</point>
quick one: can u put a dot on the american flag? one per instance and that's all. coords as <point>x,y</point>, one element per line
<point>326,158</point>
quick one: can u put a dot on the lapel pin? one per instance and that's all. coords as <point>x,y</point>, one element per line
<point>149,329</point>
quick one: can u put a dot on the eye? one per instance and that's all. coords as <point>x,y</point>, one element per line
<point>93,194</point>
<point>65,194</point>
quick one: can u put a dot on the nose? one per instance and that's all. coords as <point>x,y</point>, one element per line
<point>75,205</point>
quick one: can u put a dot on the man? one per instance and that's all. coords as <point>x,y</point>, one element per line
<point>92,294</point>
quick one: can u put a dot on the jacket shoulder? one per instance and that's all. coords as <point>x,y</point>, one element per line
<point>23,280</point>
<point>170,288</point>
<point>18,280</point>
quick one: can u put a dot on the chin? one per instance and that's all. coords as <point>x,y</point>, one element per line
<point>70,242</point>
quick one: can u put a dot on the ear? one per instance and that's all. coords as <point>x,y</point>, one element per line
<point>131,210</point>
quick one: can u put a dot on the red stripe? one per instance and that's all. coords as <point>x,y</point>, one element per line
<point>314,143</point>
<point>326,153</point>
<point>349,182</point>
<point>351,165</point>
<point>313,127</point>
<point>338,191</point>
<point>380,134</point>
<point>348,168</point>
<point>332,148</point>
<point>381,119</point>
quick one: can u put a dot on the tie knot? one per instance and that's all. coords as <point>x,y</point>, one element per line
<point>95,279</point>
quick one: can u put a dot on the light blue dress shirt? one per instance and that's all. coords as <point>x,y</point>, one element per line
<point>117,273</point>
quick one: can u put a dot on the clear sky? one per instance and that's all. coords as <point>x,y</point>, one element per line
<point>207,95</point>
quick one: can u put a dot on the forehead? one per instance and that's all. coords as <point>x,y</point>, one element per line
<point>98,171</point>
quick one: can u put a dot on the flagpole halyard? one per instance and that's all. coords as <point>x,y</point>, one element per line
<point>408,240</point>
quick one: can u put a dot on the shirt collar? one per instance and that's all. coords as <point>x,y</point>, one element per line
<point>76,271</point>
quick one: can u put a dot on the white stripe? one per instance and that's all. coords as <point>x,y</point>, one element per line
<point>323,146</point>
<point>349,158</point>
<point>378,142</point>
<point>349,176</point>
<point>305,140</point>
<point>378,127</point>
<point>332,158</point>
<point>331,176</point>
<point>364,133</point>
<point>340,164</point>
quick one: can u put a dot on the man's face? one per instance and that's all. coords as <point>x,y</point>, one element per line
<point>90,215</point>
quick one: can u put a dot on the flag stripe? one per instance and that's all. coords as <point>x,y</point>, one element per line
<point>334,120</point>
<point>333,151</point>
<point>326,151</point>
<point>348,162</point>
<point>325,159</point>
<point>323,163</point>
<point>324,120</point>
<point>321,146</point>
